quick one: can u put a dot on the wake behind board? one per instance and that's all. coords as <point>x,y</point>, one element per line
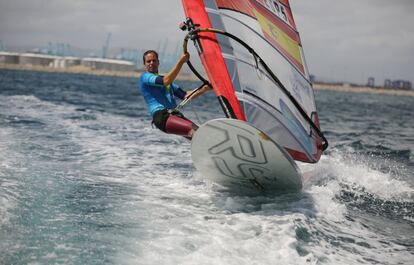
<point>241,158</point>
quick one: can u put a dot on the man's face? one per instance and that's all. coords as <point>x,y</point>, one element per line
<point>151,63</point>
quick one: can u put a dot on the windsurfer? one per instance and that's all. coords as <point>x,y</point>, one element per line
<point>160,91</point>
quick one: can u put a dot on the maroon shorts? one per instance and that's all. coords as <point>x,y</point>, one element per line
<point>173,122</point>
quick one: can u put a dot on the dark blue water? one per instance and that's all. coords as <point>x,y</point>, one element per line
<point>84,179</point>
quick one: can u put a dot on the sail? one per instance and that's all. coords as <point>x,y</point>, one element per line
<point>282,107</point>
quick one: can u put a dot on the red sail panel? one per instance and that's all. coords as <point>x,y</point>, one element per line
<point>285,2</point>
<point>212,58</point>
<point>239,6</point>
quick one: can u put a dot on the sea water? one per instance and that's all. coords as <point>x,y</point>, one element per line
<point>85,179</point>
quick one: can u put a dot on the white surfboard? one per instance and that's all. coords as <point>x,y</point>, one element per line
<point>241,158</point>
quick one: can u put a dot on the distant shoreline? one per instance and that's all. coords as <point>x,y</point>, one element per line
<point>191,77</point>
<point>362,89</point>
<point>85,70</point>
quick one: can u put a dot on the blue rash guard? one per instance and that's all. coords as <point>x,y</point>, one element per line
<point>156,95</point>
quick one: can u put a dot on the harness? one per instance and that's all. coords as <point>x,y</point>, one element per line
<point>174,112</point>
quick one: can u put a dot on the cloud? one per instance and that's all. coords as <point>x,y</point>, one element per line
<point>361,38</point>
<point>86,23</point>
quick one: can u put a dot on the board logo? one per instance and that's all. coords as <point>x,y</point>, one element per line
<point>243,147</point>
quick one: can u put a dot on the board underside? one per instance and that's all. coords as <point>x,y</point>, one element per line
<point>241,158</point>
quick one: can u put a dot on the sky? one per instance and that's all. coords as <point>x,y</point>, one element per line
<point>342,40</point>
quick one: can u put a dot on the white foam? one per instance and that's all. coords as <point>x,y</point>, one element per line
<point>225,239</point>
<point>10,160</point>
<point>340,239</point>
<point>357,172</point>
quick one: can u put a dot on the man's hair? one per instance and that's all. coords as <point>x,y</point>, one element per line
<point>148,52</point>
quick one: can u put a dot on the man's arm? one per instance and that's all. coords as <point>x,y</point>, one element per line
<point>170,77</point>
<point>200,92</point>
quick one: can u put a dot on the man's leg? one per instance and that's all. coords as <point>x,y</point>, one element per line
<point>179,125</point>
<point>174,123</point>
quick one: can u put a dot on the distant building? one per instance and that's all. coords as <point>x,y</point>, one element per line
<point>108,64</point>
<point>387,83</point>
<point>9,58</point>
<point>37,59</point>
<point>401,84</point>
<point>371,82</point>
<point>66,62</point>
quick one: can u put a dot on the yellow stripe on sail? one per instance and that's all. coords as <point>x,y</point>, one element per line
<point>280,37</point>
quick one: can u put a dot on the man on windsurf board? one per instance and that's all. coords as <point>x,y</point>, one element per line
<point>159,92</point>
